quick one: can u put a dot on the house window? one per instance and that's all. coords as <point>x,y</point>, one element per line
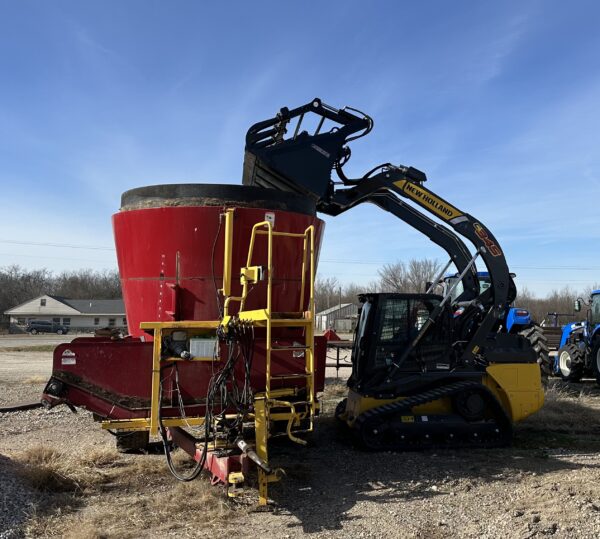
<point>96,321</point>
<point>43,302</point>
<point>111,322</point>
<point>56,320</point>
<point>124,321</point>
<point>66,321</point>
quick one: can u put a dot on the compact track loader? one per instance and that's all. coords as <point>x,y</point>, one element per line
<point>427,370</point>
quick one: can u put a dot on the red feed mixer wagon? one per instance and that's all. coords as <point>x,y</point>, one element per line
<point>218,284</point>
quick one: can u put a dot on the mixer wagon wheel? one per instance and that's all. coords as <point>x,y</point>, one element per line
<point>128,441</point>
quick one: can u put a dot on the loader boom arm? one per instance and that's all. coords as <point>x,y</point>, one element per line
<point>303,164</point>
<point>392,182</point>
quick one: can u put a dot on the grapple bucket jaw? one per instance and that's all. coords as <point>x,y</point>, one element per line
<point>302,163</point>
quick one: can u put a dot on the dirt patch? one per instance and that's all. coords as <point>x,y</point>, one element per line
<point>62,477</point>
<point>15,367</point>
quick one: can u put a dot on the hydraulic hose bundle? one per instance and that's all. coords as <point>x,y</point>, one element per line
<point>227,395</point>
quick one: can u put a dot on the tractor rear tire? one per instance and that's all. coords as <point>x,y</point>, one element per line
<point>570,363</point>
<point>535,335</point>
<point>595,360</point>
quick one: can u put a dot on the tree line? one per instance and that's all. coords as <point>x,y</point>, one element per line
<point>412,276</point>
<point>18,285</point>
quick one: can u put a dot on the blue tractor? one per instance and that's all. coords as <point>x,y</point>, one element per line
<point>515,320</point>
<point>579,351</point>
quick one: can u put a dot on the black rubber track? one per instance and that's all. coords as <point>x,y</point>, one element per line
<point>446,432</point>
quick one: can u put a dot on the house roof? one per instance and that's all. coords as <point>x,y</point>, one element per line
<point>83,306</point>
<point>95,306</point>
<point>333,309</point>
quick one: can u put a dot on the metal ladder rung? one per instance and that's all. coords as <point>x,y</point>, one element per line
<point>289,376</point>
<point>290,348</point>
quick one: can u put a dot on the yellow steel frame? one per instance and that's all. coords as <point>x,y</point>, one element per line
<point>267,319</point>
<point>151,423</point>
<point>271,398</point>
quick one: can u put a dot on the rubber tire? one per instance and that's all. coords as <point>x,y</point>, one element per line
<point>132,441</point>
<point>535,335</point>
<point>595,360</point>
<point>34,331</point>
<point>340,409</point>
<point>59,331</point>
<point>576,368</point>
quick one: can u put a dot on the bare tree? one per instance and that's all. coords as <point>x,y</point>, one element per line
<point>411,277</point>
<point>557,301</point>
<point>327,292</point>
<point>18,285</point>
<point>420,272</point>
<point>393,278</point>
<point>85,283</point>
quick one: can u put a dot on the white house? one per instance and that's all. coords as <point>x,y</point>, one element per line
<point>78,314</point>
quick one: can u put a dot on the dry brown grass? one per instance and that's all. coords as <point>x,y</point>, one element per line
<point>35,380</point>
<point>106,494</point>
<point>48,470</point>
<point>100,457</point>
<point>570,418</point>
<point>568,411</point>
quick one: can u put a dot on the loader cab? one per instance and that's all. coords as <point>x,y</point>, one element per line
<point>387,325</point>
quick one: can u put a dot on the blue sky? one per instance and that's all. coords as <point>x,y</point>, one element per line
<point>498,102</point>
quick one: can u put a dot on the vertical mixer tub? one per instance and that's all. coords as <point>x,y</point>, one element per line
<point>173,255</point>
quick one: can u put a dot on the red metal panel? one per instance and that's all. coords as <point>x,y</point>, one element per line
<point>158,248</point>
<point>113,378</point>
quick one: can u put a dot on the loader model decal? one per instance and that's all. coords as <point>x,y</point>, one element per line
<point>489,243</point>
<point>428,200</point>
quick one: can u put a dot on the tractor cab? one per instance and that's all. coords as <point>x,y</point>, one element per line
<point>454,278</point>
<point>514,319</point>
<point>595,308</point>
<point>594,312</point>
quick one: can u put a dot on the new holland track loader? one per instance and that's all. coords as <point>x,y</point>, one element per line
<point>427,370</point>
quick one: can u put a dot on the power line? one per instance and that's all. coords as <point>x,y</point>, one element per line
<point>67,245</point>
<point>380,263</point>
<point>323,260</point>
<point>40,257</point>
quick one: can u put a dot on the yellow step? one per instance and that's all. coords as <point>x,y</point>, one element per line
<point>277,319</point>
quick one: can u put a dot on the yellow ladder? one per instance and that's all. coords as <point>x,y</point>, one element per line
<point>268,319</point>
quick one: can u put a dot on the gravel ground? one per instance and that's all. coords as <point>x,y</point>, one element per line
<point>16,500</point>
<point>548,484</point>
<point>7,341</point>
